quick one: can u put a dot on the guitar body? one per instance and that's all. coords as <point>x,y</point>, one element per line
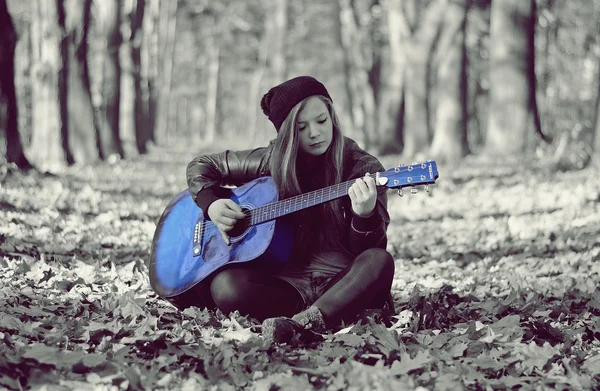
<point>186,249</point>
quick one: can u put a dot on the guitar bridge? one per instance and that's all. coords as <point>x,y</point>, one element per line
<point>197,241</point>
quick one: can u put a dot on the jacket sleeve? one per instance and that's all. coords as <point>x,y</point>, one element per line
<point>368,232</point>
<point>207,174</point>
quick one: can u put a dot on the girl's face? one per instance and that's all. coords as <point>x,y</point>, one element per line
<point>315,128</point>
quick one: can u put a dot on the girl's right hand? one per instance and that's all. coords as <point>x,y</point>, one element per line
<point>225,213</point>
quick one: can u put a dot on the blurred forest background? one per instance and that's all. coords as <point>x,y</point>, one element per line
<point>90,80</point>
<point>497,271</point>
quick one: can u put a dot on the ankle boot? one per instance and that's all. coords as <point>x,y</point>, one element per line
<point>312,319</point>
<point>304,327</point>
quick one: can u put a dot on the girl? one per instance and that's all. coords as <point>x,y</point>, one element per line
<point>339,265</point>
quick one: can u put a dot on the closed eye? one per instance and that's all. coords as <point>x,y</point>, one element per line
<point>320,122</point>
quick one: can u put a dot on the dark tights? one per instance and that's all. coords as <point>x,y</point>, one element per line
<point>365,283</point>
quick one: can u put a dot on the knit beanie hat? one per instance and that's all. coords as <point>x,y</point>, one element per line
<point>277,103</point>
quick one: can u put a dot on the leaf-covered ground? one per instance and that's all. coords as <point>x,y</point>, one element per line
<point>496,287</point>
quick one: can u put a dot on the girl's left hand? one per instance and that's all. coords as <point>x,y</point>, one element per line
<point>363,195</point>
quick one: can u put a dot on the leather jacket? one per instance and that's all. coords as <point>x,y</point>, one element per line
<point>207,174</point>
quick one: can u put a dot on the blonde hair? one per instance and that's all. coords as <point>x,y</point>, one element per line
<point>284,170</point>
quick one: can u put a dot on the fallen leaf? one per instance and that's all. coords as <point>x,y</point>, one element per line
<point>407,364</point>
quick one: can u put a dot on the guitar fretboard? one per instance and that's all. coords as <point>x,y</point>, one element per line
<point>293,204</point>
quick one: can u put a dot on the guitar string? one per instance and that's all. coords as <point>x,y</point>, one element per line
<point>274,211</point>
<point>277,208</point>
<point>279,205</point>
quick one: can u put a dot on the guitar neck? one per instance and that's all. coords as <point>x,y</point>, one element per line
<point>294,204</point>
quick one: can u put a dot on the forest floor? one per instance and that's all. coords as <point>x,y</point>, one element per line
<point>496,287</point>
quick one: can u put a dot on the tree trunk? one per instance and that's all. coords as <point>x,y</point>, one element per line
<point>169,24</point>
<point>391,102</point>
<point>357,76</point>
<point>140,114</point>
<point>277,54</point>
<point>255,91</point>
<point>150,64</point>
<point>81,127</point>
<point>596,128</point>
<point>417,127</point>
<point>212,81</point>
<point>511,117</point>
<point>549,44</point>
<point>128,83</point>
<point>271,66</point>
<point>477,95</point>
<point>348,90</point>
<point>450,137</point>
<point>47,149</point>
<point>533,103</point>
<point>110,138</point>
<point>9,128</point>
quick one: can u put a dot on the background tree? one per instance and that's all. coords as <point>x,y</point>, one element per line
<point>419,49</point>
<point>390,108</point>
<point>149,66</point>
<point>513,113</point>
<point>593,42</point>
<point>354,39</point>
<point>48,148</point>
<point>108,17</point>
<point>213,57</point>
<point>9,129</point>
<point>596,127</point>
<point>129,79</point>
<point>76,100</point>
<point>141,115</point>
<point>195,70</point>
<point>450,121</point>
<point>271,64</point>
<point>168,31</point>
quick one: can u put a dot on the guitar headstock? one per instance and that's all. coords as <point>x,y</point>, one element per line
<point>409,175</point>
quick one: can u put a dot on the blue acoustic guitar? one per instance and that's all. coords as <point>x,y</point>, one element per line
<point>186,248</point>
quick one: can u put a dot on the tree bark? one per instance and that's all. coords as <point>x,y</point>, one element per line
<point>257,88</point>
<point>450,137</point>
<point>391,103</point>
<point>348,90</point>
<point>512,106</point>
<point>9,128</point>
<point>277,54</point>
<point>46,150</point>
<point>357,75</point>
<point>128,83</point>
<point>596,128</point>
<point>537,122</point>
<point>80,126</point>
<point>168,24</point>
<point>213,53</point>
<point>140,101</point>
<point>150,64</point>
<point>110,136</point>
<point>271,65</point>
<point>417,127</point>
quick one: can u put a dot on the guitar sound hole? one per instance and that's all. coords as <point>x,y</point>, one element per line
<point>239,228</point>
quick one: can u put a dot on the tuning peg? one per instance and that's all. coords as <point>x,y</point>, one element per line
<point>414,190</point>
<point>400,192</point>
<point>429,189</point>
